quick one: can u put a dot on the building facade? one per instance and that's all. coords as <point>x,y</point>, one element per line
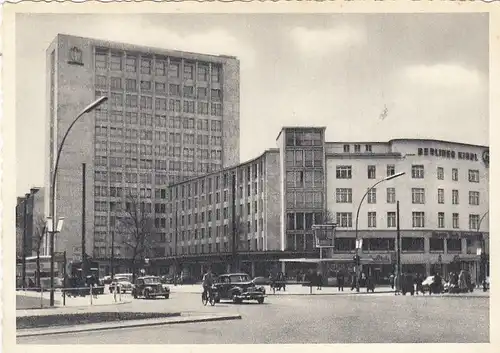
<point>170,116</point>
<point>443,198</point>
<point>30,222</point>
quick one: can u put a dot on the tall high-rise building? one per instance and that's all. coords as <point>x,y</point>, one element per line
<point>170,116</point>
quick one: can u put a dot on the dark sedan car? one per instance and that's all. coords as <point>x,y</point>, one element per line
<point>238,287</point>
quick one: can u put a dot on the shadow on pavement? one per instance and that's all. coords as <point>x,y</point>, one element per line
<point>26,302</point>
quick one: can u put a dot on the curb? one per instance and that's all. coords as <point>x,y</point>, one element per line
<point>76,307</point>
<point>138,323</point>
<point>316,294</point>
<point>453,296</point>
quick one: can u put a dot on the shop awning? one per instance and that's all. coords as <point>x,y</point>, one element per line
<point>316,260</point>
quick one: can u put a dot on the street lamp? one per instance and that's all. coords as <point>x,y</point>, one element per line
<point>87,109</point>
<point>358,249</point>
<point>481,252</point>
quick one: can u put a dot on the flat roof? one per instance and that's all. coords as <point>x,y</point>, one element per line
<point>300,127</point>
<point>404,139</point>
<point>270,150</point>
<point>151,50</point>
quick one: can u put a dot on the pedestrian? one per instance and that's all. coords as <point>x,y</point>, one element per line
<point>340,280</point>
<point>354,280</point>
<point>418,282</point>
<point>319,280</point>
<point>391,280</point>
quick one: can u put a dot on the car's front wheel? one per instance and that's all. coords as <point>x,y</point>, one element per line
<point>260,300</point>
<point>167,296</point>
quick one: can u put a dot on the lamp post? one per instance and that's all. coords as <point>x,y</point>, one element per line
<point>482,252</point>
<point>87,109</point>
<point>358,242</point>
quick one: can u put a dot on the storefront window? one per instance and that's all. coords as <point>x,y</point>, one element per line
<point>345,244</point>
<point>436,244</point>
<point>454,245</point>
<point>412,244</point>
<point>380,244</point>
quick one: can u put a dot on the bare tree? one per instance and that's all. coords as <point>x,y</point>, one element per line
<point>328,217</point>
<point>137,229</point>
<point>240,228</point>
<point>38,234</point>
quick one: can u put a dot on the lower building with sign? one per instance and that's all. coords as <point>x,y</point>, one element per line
<point>260,212</point>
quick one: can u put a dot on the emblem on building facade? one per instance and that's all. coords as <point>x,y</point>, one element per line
<point>75,56</point>
<point>486,157</point>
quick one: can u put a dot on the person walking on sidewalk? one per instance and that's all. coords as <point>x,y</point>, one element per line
<point>354,280</point>
<point>340,281</point>
<point>319,280</point>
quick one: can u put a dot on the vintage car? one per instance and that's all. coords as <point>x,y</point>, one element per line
<point>429,285</point>
<point>238,287</point>
<point>150,287</point>
<point>123,283</point>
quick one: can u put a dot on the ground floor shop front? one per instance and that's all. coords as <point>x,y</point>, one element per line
<point>377,265</point>
<point>380,266</point>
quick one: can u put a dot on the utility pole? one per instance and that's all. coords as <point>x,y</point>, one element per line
<point>176,270</point>
<point>233,211</point>
<point>398,250</point>
<point>84,259</point>
<point>112,254</point>
<point>25,236</point>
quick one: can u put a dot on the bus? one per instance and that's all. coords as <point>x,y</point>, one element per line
<point>32,274</point>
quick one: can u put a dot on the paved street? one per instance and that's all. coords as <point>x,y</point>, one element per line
<point>378,318</point>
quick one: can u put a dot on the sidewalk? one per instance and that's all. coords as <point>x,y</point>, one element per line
<point>37,300</point>
<point>291,289</point>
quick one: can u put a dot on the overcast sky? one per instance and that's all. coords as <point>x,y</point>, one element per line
<point>338,71</point>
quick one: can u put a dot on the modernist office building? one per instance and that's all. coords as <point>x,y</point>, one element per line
<point>279,196</point>
<point>170,116</point>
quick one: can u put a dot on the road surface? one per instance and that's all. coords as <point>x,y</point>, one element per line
<point>378,318</point>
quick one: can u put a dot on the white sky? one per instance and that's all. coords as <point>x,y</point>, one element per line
<point>333,70</point>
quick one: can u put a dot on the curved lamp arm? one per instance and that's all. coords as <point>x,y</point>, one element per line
<point>481,220</point>
<point>87,109</point>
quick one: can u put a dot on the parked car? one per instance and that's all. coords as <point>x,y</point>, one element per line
<point>238,287</point>
<point>428,285</point>
<point>150,287</point>
<point>106,280</point>
<point>123,283</point>
<point>261,281</point>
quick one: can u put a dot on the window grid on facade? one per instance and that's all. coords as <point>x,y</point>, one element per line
<point>455,197</point>
<point>344,172</point>
<point>418,219</point>
<point>391,195</point>
<point>456,221</point>
<point>474,198</point>
<point>391,169</point>
<point>417,171</point>
<point>391,219</point>
<point>441,196</point>
<point>440,173</point>
<point>440,219</point>
<point>344,219</point>
<point>473,221</point>
<point>372,172</point>
<point>418,195</point>
<point>344,195</point>
<point>372,219</point>
<point>372,196</point>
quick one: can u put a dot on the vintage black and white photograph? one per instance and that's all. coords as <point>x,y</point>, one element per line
<point>252,178</point>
